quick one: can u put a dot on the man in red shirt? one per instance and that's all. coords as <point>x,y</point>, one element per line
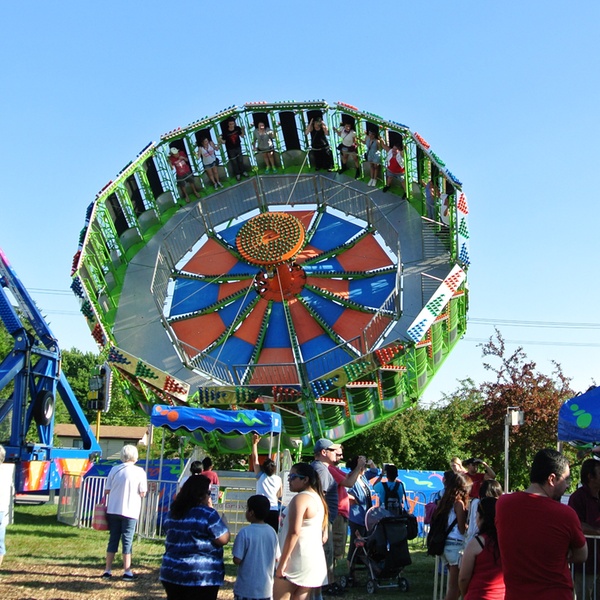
<point>538,536</point>
<point>179,161</point>
<point>394,166</point>
<point>340,523</point>
<point>472,466</point>
<point>585,501</point>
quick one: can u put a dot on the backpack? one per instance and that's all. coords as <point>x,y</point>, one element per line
<point>430,508</point>
<point>438,532</point>
<point>391,499</point>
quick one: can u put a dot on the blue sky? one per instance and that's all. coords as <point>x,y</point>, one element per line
<point>507,94</point>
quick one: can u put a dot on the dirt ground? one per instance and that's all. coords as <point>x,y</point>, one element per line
<point>19,581</point>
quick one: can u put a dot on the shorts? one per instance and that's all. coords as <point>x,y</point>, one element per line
<point>398,176</point>
<point>120,528</point>
<point>348,149</point>
<point>184,178</point>
<point>453,551</point>
<point>340,535</point>
<point>214,163</point>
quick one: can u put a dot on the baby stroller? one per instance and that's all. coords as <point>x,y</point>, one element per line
<point>383,553</point>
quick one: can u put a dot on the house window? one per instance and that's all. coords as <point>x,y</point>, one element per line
<point>78,443</point>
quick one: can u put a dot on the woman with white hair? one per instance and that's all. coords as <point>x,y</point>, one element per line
<point>125,487</point>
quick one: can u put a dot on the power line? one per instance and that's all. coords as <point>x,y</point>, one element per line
<point>537,343</point>
<point>541,324</point>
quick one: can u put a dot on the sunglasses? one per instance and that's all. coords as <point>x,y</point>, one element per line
<point>293,476</point>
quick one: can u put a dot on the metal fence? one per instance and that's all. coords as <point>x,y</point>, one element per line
<point>78,495</point>
<point>585,578</point>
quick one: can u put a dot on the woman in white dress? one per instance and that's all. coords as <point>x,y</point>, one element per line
<point>302,565</point>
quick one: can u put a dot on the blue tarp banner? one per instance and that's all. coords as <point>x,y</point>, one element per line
<point>212,419</point>
<point>579,418</point>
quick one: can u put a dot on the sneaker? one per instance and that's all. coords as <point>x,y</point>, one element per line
<point>129,576</point>
<point>245,174</point>
<point>219,184</point>
<point>238,177</point>
<point>273,170</point>
<point>106,575</point>
<point>333,590</point>
<point>267,170</point>
<point>386,188</point>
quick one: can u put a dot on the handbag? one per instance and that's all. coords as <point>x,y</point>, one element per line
<point>412,526</point>
<point>99,520</point>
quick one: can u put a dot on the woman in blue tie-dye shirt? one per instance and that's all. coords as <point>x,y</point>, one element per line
<point>194,543</point>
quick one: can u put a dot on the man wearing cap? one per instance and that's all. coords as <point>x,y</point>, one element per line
<point>179,161</point>
<point>472,466</point>
<point>326,454</point>
<point>344,480</point>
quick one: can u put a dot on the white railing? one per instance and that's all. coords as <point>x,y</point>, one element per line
<point>79,495</point>
<point>585,583</point>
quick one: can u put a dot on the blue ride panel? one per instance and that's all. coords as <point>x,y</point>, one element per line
<point>334,359</point>
<point>233,352</point>
<point>372,291</point>
<point>332,232</point>
<point>277,335</point>
<point>328,310</point>
<point>191,295</point>
<point>242,268</point>
<point>230,233</point>
<point>229,313</point>
<point>329,265</point>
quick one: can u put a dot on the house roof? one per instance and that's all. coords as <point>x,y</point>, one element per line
<point>106,431</point>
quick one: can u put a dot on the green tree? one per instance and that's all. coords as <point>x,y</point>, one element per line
<point>517,383</point>
<point>423,437</point>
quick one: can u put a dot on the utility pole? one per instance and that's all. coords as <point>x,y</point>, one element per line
<point>514,416</point>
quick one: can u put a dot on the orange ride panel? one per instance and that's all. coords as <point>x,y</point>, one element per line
<point>339,287</point>
<point>305,325</point>
<point>365,256</point>
<point>286,373</point>
<point>231,287</point>
<point>352,323</point>
<point>250,327</point>
<point>211,259</point>
<point>198,332</point>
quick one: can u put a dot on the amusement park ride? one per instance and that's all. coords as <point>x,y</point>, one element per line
<point>32,377</point>
<point>306,293</point>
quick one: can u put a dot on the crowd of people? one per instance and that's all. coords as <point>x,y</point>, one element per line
<point>519,545</point>
<point>378,153</point>
<point>496,546</point>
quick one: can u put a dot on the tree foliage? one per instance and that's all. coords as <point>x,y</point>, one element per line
<point>471,420</point>
<point>518,384</point>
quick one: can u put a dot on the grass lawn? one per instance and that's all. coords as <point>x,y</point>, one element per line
<point>47,560</point>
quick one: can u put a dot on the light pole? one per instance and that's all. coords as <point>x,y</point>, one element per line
<point>514,416</point>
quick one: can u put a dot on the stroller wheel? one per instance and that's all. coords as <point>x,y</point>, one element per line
<point>343,581</point>
<point>371,586</point>
<point>403,584</point>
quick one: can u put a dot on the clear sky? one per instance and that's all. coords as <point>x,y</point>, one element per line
<point>506,93</point>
